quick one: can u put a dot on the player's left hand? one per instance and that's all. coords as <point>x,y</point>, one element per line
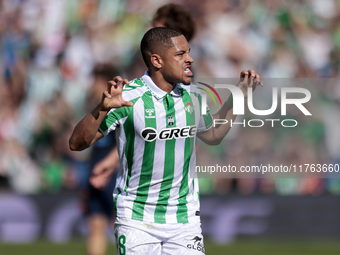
<point>249,79</point>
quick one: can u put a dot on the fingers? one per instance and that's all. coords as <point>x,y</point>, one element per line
<point>252,73</point>
<point>100,174</point>
<point>107,94</point>
<point>125,81</point>
<point>244,75</point>
<point>98,182</point>
<point>115,83</point>
<point>258,81</point>
<point>250,78</point>
<point>117,79</point>
<point>110,84</point>
<point>94,182</point>
<point>127,103</point>
<point>119,82</point>
<point>98,168</point>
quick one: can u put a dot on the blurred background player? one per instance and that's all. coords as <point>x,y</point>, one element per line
<point>104,159</point>
<point>175,16</point>
<point>97,201</point>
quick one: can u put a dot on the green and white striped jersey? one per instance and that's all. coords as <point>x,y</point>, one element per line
<point>156,146</point>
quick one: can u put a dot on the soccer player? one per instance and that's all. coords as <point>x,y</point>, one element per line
<point>155,197</point>
<point>169,15</point>
<point>100,201</point>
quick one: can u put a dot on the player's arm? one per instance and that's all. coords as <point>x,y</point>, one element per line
<point>215,135</point>
<point>87,131</point>
<point>104,169</point>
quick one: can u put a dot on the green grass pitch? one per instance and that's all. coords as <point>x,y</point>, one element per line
<point>237,248</point>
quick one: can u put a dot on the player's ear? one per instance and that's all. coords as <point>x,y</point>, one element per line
<point>156,61</point>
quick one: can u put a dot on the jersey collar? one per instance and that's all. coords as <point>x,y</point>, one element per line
<point>156,91</point>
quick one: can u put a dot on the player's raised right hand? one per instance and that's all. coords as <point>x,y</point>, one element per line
<point>112,97</point>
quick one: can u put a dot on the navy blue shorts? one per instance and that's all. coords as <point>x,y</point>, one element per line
<point>100,201</point>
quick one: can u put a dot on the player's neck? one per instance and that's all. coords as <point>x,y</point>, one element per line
<point>160,82</point>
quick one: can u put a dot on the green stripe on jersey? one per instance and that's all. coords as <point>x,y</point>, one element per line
<point>169,162</point>
<point>115,115</point>
<point>130,143</point>
<point>182,210</point>
<point>136,83</point>
<point>208,120</point>
<point>115,204</point>
<point>139,82</point>
<point>199,97</point>
<point>147,164</point>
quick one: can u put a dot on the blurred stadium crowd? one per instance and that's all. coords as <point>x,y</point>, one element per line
<point>49,50</point>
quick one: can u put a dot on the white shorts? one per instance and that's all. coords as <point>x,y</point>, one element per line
<point>139,238</point>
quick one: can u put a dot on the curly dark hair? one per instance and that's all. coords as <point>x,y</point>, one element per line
<point>178,17</point>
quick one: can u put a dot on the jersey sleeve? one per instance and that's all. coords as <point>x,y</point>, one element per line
<point>110,122</point>
<point>117,116</point>
<point>205,121</point>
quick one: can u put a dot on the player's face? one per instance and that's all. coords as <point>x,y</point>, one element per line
<point>177,62</point>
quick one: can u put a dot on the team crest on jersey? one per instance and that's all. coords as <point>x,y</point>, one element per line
<point>171,121</point>
<point>189,108</point>
<point>150,113</point>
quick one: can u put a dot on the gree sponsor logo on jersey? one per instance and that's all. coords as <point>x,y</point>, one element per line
<point>150,134</point>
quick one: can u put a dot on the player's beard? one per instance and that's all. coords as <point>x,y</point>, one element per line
<point>186,83</point>
<point>186,80</point>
